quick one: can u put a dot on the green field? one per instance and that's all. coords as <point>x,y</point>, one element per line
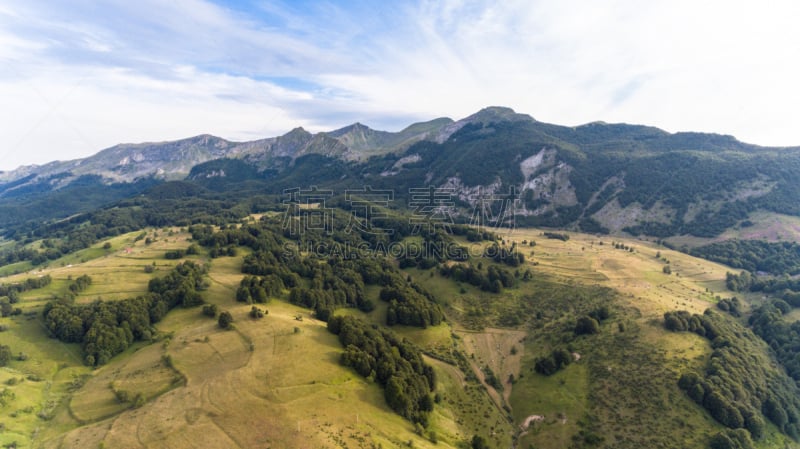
<point>277,382</point>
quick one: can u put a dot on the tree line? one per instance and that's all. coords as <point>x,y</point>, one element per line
<point>105,329</point>
<point>739,386</point>
<point>12,291</point>
<point>775,258</point>
<point>395,364</point>
<point>783,337</point>
<point>494,279</point>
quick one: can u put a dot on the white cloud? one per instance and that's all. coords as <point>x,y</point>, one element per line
<point>707,66</point>
<point>80,77</point>
<point>65,114</point>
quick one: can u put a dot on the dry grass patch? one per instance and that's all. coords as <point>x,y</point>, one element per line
<point>493,348</point>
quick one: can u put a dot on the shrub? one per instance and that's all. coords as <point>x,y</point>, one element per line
<point>586,326</point>
<point>225,320</point>
<point>210,310</point>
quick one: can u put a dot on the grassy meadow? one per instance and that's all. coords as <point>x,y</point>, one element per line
<point>276,382</point>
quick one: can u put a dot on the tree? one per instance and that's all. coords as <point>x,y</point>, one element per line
<point>562,357</point>
<point>546,366</point>
<point>210,310</point>
<point>587,325</point>
<point>5,355</point>
<point>731,439</point>
<point>256,313</point>
<point>225,320</point>
<point>754,423</point>
<point>6,309</point>
<point>478,442</point>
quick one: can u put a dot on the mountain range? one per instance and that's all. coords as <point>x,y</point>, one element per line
<point>461,339</point>
<point>598,177</point>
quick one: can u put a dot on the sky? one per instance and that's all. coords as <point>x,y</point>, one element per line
<point>82,75</point>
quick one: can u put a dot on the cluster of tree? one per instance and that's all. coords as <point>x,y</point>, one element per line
<point>741,282</point>
<point>558,359</point>
<point>255,236</point>
<point>590,324</point>
<point>162,206</point>
<point>706,223</point>
<point>108,328</point>
<point>333,284</point>
<point>653,228</point>
<point>677,179</point>
<point>491,378</point>
<point>508,256</point>
<point>175,254</point>
<point>740,387</point>
<point>731,439</point>
<point>257,313</point>
<point>437,246</point>
<point>682,321</point>
<point>267,263</point>
<point>210,310</point>
<point>557,236</point>
<point>324,302</point>
<point>788,287</point>
<point>727,411</point>
<point>259,289</point>
<point>17,254</point>
<point>180,253</point>
<point>783,337</point>
<point>12,291</point>
<point>182,286</point>
<point>5,355</point>
<point>775,258</point>
<point>7,309</point>
<point>474,235</point>
<point>395,364</point>
<point>80,284</point>
<point>622,246</point>
<point>332,281</point>
<point>493,280</point>
<point>478,442</point>
<point>730,305</point>
<point>410,306</point>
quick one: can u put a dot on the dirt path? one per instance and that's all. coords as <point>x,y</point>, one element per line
<point>492,347</point>
<point>530,420</point>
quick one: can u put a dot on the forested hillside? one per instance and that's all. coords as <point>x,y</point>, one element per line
<point>598,177</point>
<point>388,290</point>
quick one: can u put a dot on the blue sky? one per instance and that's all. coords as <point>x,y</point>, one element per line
<point>80,76</point>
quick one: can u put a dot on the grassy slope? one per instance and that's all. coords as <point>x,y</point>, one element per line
<point>290,391</point>
<point>602,393</point>
<point>767,226</point>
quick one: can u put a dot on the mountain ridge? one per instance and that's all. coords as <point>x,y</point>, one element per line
<point>359,139</point>
<point>596,177</point>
